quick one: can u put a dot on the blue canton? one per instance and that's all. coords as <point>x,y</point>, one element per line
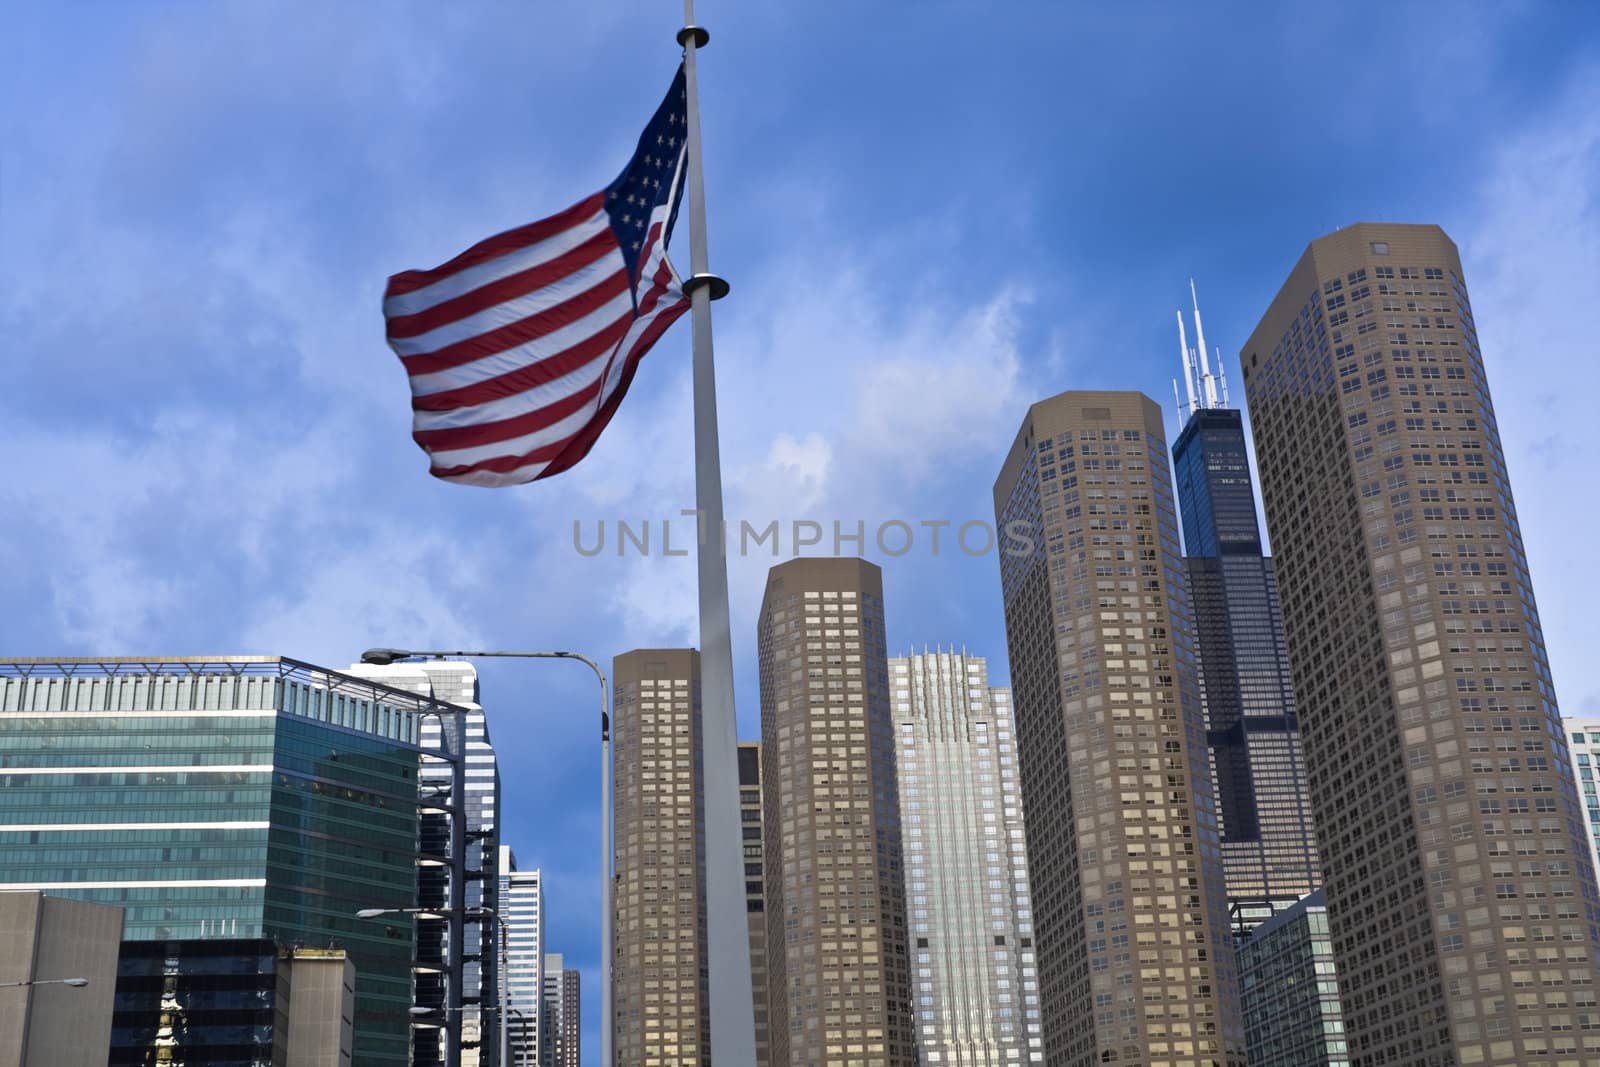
<point>647,181</point>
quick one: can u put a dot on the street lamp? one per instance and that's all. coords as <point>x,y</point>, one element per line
<point>434,913</point>
<point>76,983</point>
<point>383,657</point>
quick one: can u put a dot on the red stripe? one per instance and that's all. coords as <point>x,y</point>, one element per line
<point>584,440</point>
<point>529,377</point>
<point>501,290</point>
<point>409,281</point>
<point>520,332</point>
<point>488,433</point>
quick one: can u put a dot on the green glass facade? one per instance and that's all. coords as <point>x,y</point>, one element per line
<point>1292,1012</point>
<point>239,798</point>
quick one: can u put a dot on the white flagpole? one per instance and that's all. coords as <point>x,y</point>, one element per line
<point>733,1039</point>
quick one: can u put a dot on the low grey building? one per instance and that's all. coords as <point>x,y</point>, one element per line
<point>45,1022</point>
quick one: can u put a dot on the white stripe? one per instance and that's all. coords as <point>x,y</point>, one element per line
<point>19,828</point>
<point>494,479</point>
<point>619,361</point>
<point>559,291</point>
<point>185,883</point>
<point>231,768</point>
<point>507,407</point>
<point>521,446</point>
<point>511,263</point>
<point>523,355</point>
<point>156,714</point>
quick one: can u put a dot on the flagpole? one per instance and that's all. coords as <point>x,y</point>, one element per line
<point>733,1042</point>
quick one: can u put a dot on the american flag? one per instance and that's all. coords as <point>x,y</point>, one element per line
<point>520,349</point>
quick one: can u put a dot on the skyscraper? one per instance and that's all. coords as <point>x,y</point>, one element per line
<point>755,891</point>
<point>248,798</point>
<point>1269,851</point>
<point>571,1018</point>
<point>1130,907</point>
<point>456,682</point>
<point>837,962</point>
<point>522,908</point>
<point>552,1023</point>
<point>1461,897</point>
<point>974,982</point>
<point>660,994</point>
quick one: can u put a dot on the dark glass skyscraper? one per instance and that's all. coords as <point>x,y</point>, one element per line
<point>1268,845</point>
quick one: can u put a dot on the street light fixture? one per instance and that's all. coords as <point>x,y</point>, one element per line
<point>383,657</point>
<point>76,983</point>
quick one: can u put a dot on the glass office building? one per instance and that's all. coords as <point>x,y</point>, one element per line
<point>1292,1014</point>
<point>455,682</point>
<point>1269,849</point>
<point>1583,736</point>
<point>224,798</point>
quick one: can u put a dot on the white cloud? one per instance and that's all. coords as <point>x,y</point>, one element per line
<point>1531,245</point>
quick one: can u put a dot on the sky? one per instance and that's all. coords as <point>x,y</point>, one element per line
<point>931,215</point>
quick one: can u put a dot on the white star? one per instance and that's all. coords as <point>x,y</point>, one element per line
<point>672,142</point>
<point>627,219</point>
<point>660,139</point>
<point>636,246</point>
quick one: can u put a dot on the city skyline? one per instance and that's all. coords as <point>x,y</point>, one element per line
<point>199,213</point>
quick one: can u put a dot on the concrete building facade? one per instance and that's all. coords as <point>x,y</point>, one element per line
<point>1129,899</point>
<point>837,950</point>
<point>1461,895</point>
<point>571,1018</point>
<point>660,990</point>
<point>973,969</point>
<point>44,939</point>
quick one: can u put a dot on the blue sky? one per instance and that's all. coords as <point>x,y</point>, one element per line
<point>931,215</point>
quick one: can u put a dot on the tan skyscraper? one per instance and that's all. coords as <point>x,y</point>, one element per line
<point>1461,899</point>
<point>1130,910</point>
<point>662,1010</point>
<point>836,926</point>
<point>755,890</point>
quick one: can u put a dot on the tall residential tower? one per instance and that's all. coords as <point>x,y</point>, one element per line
<point>1461,897</point>
<point>836,922</point>
<point>1130,906</point>
<point>975,986</point>
<point>663,1014</point>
